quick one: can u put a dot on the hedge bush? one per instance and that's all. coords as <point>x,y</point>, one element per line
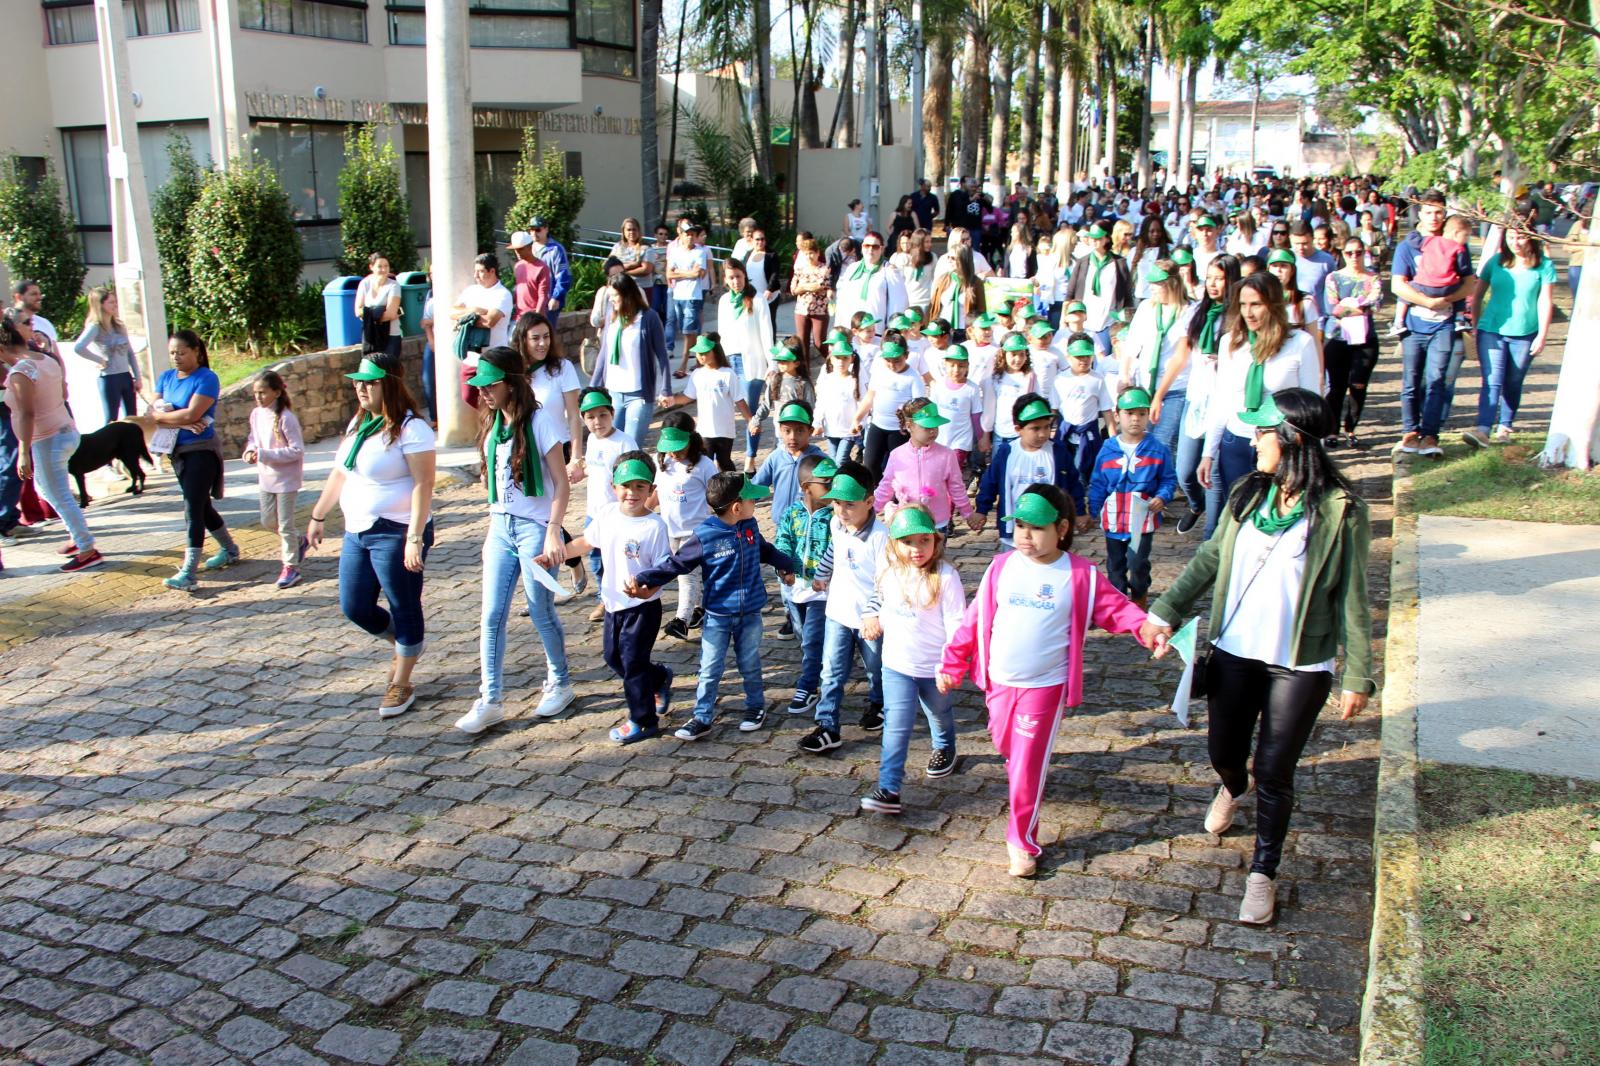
<point>38,236</point>
<point>245,256</point>
<point>170,213</point>
<point>543,188</point>
<point>374,213</point>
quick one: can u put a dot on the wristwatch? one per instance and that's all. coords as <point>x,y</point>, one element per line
<point>413,538</point>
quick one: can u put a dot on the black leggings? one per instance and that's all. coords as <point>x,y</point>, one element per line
<point>879,443</point>
<point>1337,356</point>
<point>1287,703</point>
<point>1363,360</point>
<point>721,451</point>
<point>197,473</point>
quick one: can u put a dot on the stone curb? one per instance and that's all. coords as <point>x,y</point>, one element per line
<point>1392,1007</point>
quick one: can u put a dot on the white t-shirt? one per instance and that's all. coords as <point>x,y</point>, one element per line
<point>512,501</point>
<point>914,635</point>
<point>1025,469</point>
<point>857,558</point>
<point>714,390</point>
<point>681,258</point>
<point>627,373</point>
<point>628,546</point>
<point>1036,601</point>
<point>1007,387</point>
<point>682,492</point>
<point>494,298</point>
<point>958,403</point>
<point>1294,365</point>
<point>380,484</point>
<point>43,325</point>
<point>1081,397</point>
<point>1265,630</point>
<point>599,459</point>
<point>1017,262</point>
<point>1048,364</point>
<point>1139,343</point>
<point>890,392</point>
<point>551,390</point>
<point>836,404</point>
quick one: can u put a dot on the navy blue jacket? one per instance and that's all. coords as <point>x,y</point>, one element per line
<point>656,375</point>
<point>732,557</point>
<point>992,487</point>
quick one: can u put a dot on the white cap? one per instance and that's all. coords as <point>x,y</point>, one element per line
<point>521,239</point>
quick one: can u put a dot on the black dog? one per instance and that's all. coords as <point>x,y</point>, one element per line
<point>122,441</point>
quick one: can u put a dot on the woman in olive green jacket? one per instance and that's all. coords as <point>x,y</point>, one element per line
<point>1288,561</point>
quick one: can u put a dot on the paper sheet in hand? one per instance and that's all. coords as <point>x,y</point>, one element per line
<point>545,578</point>
<point>1183,642</point>
<point>1138,512</point>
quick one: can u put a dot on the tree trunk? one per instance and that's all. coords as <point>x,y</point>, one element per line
<point>1255,111</point>
<point>1066,171</point>
<point>885,99</point>
<point>810,120</point>
<point>1144,106</point>
<point>1000,118</point>
<point>936,112</point>
<point>761,35</point>
<point>1177,67</point>
<point>973,60</point>
<point>1030,104</point>
<point>649,144</point>
<point>1186,150</point>
<point>672,138</point>
<point>1051,104</point>
<point>844,113</point>
<point>1111,115</point>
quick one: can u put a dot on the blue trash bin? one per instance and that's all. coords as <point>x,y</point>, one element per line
<point>339,311</point>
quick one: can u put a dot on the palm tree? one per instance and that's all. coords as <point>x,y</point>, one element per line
<point>974,54</point>
<point>649,146</point>
<point>1030,97</point>
<point>936,101</point>
<point>1050,118</point>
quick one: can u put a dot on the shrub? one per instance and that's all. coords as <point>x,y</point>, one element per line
<point>483,223</point>
<point>588,275</point>
<point>170,213</point>
<point>543,188</point>
<point>757,198</point>
<point>244,258</point>
<point>38,236</point>
<point>375,216</point>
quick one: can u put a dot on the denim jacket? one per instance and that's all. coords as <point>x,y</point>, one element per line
<point>732,557</point>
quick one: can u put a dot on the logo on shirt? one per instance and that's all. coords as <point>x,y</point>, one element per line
<point>632,550</point>
<point>1043,599</point>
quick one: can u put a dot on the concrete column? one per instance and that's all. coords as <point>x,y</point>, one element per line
<point>918,54</point>
<point>869,114</point>
<point>452,199</point>
<point>230,122</point>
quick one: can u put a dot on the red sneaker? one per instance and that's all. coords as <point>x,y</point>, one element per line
<point>83,562</point>
<point>67,549</point>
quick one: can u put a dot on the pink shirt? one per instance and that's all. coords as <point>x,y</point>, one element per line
<point>929,475</point>
<point>533,282</point>
<point>49,405</point>
<point>280,449</point>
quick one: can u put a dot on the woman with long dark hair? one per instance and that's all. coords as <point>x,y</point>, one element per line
<point>556,384</point>
<point>957,293</point>
<point>746,336</point>
<point>1513,324</point>
<point>633,363</point>
<point>185,397</point>
<point>1286,574</point>
<point>1151,245</point>
<point>382,480</point>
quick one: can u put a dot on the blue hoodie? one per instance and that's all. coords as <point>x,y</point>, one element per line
<point>1153,474</point>
<point>732,557</point>
<point>994,488</point>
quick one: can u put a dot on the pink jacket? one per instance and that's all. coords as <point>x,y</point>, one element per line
<point>969,648</point>
<point>280,450</point>
<point>930,475</point>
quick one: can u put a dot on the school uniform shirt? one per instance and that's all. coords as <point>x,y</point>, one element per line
<point>836,404</point>
<point>628,546</point>
<point>1007,387</point>
<point>747,334</point>
<point>1033,612</point>
<point>876,290</point>
<point>980,372</point>
<point>890,392</point>
<point>714,391</point>
<point>551,391</point>
<point>959,403</point>
<point>380,483</point>
<point>627,373</point>
<point>781,470</point>
<point>1145,332</point>
<point>1102,307</point>
<point>851,569</point>
<point>495,297</point>
<point>1265,630</point>
<point>1294,365</point>
<point>1081,397</point>
<point>914,631</point>
<point>684,259</point>
<point>682,491</point>
<point>1026,469</point>
<point>546,435</point>
<point>1048,364</point>
<point>599,459</point>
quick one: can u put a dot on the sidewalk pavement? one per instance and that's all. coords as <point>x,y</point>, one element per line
<point>1508,645</point>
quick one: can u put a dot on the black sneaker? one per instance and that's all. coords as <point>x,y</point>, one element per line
<point>677,628</point>
<point>785,631</point>
<point>820,740</point>
<point>698,618</point>
<point>941,763</point>
<point>803,702</point>
<point>881,801</point>
<point>754,719</point>
<point>872,718</point>
<point>693,729</point>
<point>1190,520</point>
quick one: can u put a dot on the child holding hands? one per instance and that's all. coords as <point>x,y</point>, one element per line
<point>923,471</point>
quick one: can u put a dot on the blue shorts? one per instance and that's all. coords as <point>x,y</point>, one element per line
<point>686,315</point>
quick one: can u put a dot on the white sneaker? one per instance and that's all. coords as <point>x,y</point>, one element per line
<point>1220,816</point>
<point>557,698</point>
<point>481,717</point>
<point>1260,900</point>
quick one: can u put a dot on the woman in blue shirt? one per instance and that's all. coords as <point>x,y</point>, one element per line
<point>186,394</point>
<point>1512,327</point>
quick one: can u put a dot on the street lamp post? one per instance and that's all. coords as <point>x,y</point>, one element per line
<point>869,115</point>
<point>451,198</point>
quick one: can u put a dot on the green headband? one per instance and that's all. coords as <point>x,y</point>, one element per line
<point>1033,412</point>
<point>593,400</point>
<point>1034,509</point>
<point>910,521</point>
<point>845,487</point>
<point>371,371</point>
<point>632,470</point>
<point>487,374</point>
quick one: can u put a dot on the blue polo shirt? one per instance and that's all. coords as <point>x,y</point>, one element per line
<point>782,472</point>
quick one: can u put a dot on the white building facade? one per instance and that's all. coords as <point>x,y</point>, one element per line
<point>1222,134</point>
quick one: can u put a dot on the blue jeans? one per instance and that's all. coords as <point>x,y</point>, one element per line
<point>752,399</point>
<point>427,383</point>
<point>716,633</point>
<point>811,628</point>
<point>50,457</point>
<point>1166,431</point>
<point>1236,457</point>
<point>374,561</point>
<point>116,393</point>
<point>10,483</point>
<point>508,553</point>
<point>839,646</point>
<point>842,448</point>
<point>1505,361</point>
<point>1426,360</point>
<point>901,697</point>
<point>1452,370</point>
<point>658,300</point>
<point>683,316</point>
<point>1188,458</point>
<point>1102,339</point>
<point>634,412</point>
<point>1574,275</point>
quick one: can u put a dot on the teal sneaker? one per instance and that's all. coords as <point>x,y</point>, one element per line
<point>223,558</point>
<point>182,581</point>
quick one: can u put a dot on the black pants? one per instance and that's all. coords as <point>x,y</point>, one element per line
<point>1363,360</point>
<point>197,473</point>
<point>721,451</point>
<point>1129,570</point>
<point>879,443</point>
<point>1336,357</point>
<point>1287,703</point>
<point>630,636</point>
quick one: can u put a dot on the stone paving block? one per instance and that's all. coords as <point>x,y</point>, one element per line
<point>375,1047</point>
<point>591,981</point>
<point>249,1037</point>
<point>539,1010</point>
<point>261,989</point>
<point>471,998</point>
<point>757,1022</point>
<point>817,1046</point>
<point>1094,1045</point>
<point>678,997</point>
<point>537,1052</point>
<point>62,1048</point>
<point>466,1046</point>
<point>187,1050</point>
<point>694,1045</point>
<point>814,994</point>
<point>1134,1013</point>
<point>606,1024</point>
<point>96,1008</point>
<point>313,1010</point>
<point>912,1026</point>
<point>380,984</point>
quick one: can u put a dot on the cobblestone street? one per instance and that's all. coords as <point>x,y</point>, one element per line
<point>212,849</point>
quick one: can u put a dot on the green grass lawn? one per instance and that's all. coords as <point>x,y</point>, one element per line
<point>234,365</point>
<point>1504,481</point>
<point>1511,917</point>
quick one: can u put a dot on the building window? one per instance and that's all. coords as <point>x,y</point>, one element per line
<point>574,164</point>
<point>337,20</point>
<point>308,157</point>
<point>500,24</point>
<point>89,186</point>
<point>605,32</point>
<point>492,174</point>
<point>72,21</point>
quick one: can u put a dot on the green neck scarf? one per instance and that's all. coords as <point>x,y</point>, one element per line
<point>616,344</point>
<point>863,271</point>
<point>1255,379</point>
<point>955,300</point>
<point>369,425</point>
<point>1166,315</point>
<point>1096,264</point>
<point>532,468</point>
<point>1267,519</point>
<point>1210,329</point>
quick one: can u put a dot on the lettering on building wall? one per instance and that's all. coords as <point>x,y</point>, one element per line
<point>309,108</point>
<point>570,122</point>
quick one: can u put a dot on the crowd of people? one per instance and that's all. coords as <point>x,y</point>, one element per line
<point>1216,343</point>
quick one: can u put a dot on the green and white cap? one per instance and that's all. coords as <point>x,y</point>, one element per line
<point>1133,400</point>
<point>1035,410</point>
<point>793,412</point>
<point>934,329</point>
<point>632,470</point>
<point>1280,255</point>
<point>704,344</point>
<point>1035,510</point>
<point>910,521</point>
<point>845,487</point>
<point>752,491</point>
<point>1040,329</point>
<point>370,371</point>
<point>672,439</point>
<point>929,417</point>
<point>987,320</point>
<point>956,353</point>
<point>1266,416</point>
<point>1014,342</point>
<point>487,374</point>
<point>592,399</point>
<point>1081,348</point>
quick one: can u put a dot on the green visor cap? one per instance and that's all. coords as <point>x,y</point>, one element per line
<point>846,488</point>
<point>956,353</point>
<point>841,348</point>
<point>987,320</point>
<point>839,334</point>
<point>1076,307</point>
<point>910,521</point>
<point>1280,255</point>
<point>894,351</point>
<point>1205,222</point>
<point>1035,510</point>
<point>1014,342</point>
<point>793,412</point>
<point>704,344</point>
<point>594,399</point>
<point>1156,274</point>
<point>672,439</point>
<point>823,471</point>
<point>487,374</point>
<point>782,353</point>
<point>1040,329</point>
<point>1081,349</point>
<point>1097,231</point>
<point>1033,412</point>
<point>1182,257</point>
<point>632,470</point>
<point>1133,400</point>
<point>934,329</point>
<point>901,322</point>
<point>912,315</point>
<point>1025,312</point>
<point>1264,417</point>
<point>371,371</point>
<point>752,491</point>
<point>929,417</point>
<point>866,320</point>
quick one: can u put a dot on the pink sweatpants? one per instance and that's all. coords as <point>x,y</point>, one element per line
<point>1023,723</point>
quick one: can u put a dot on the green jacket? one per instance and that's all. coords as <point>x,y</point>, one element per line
<point>1333,595</point>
